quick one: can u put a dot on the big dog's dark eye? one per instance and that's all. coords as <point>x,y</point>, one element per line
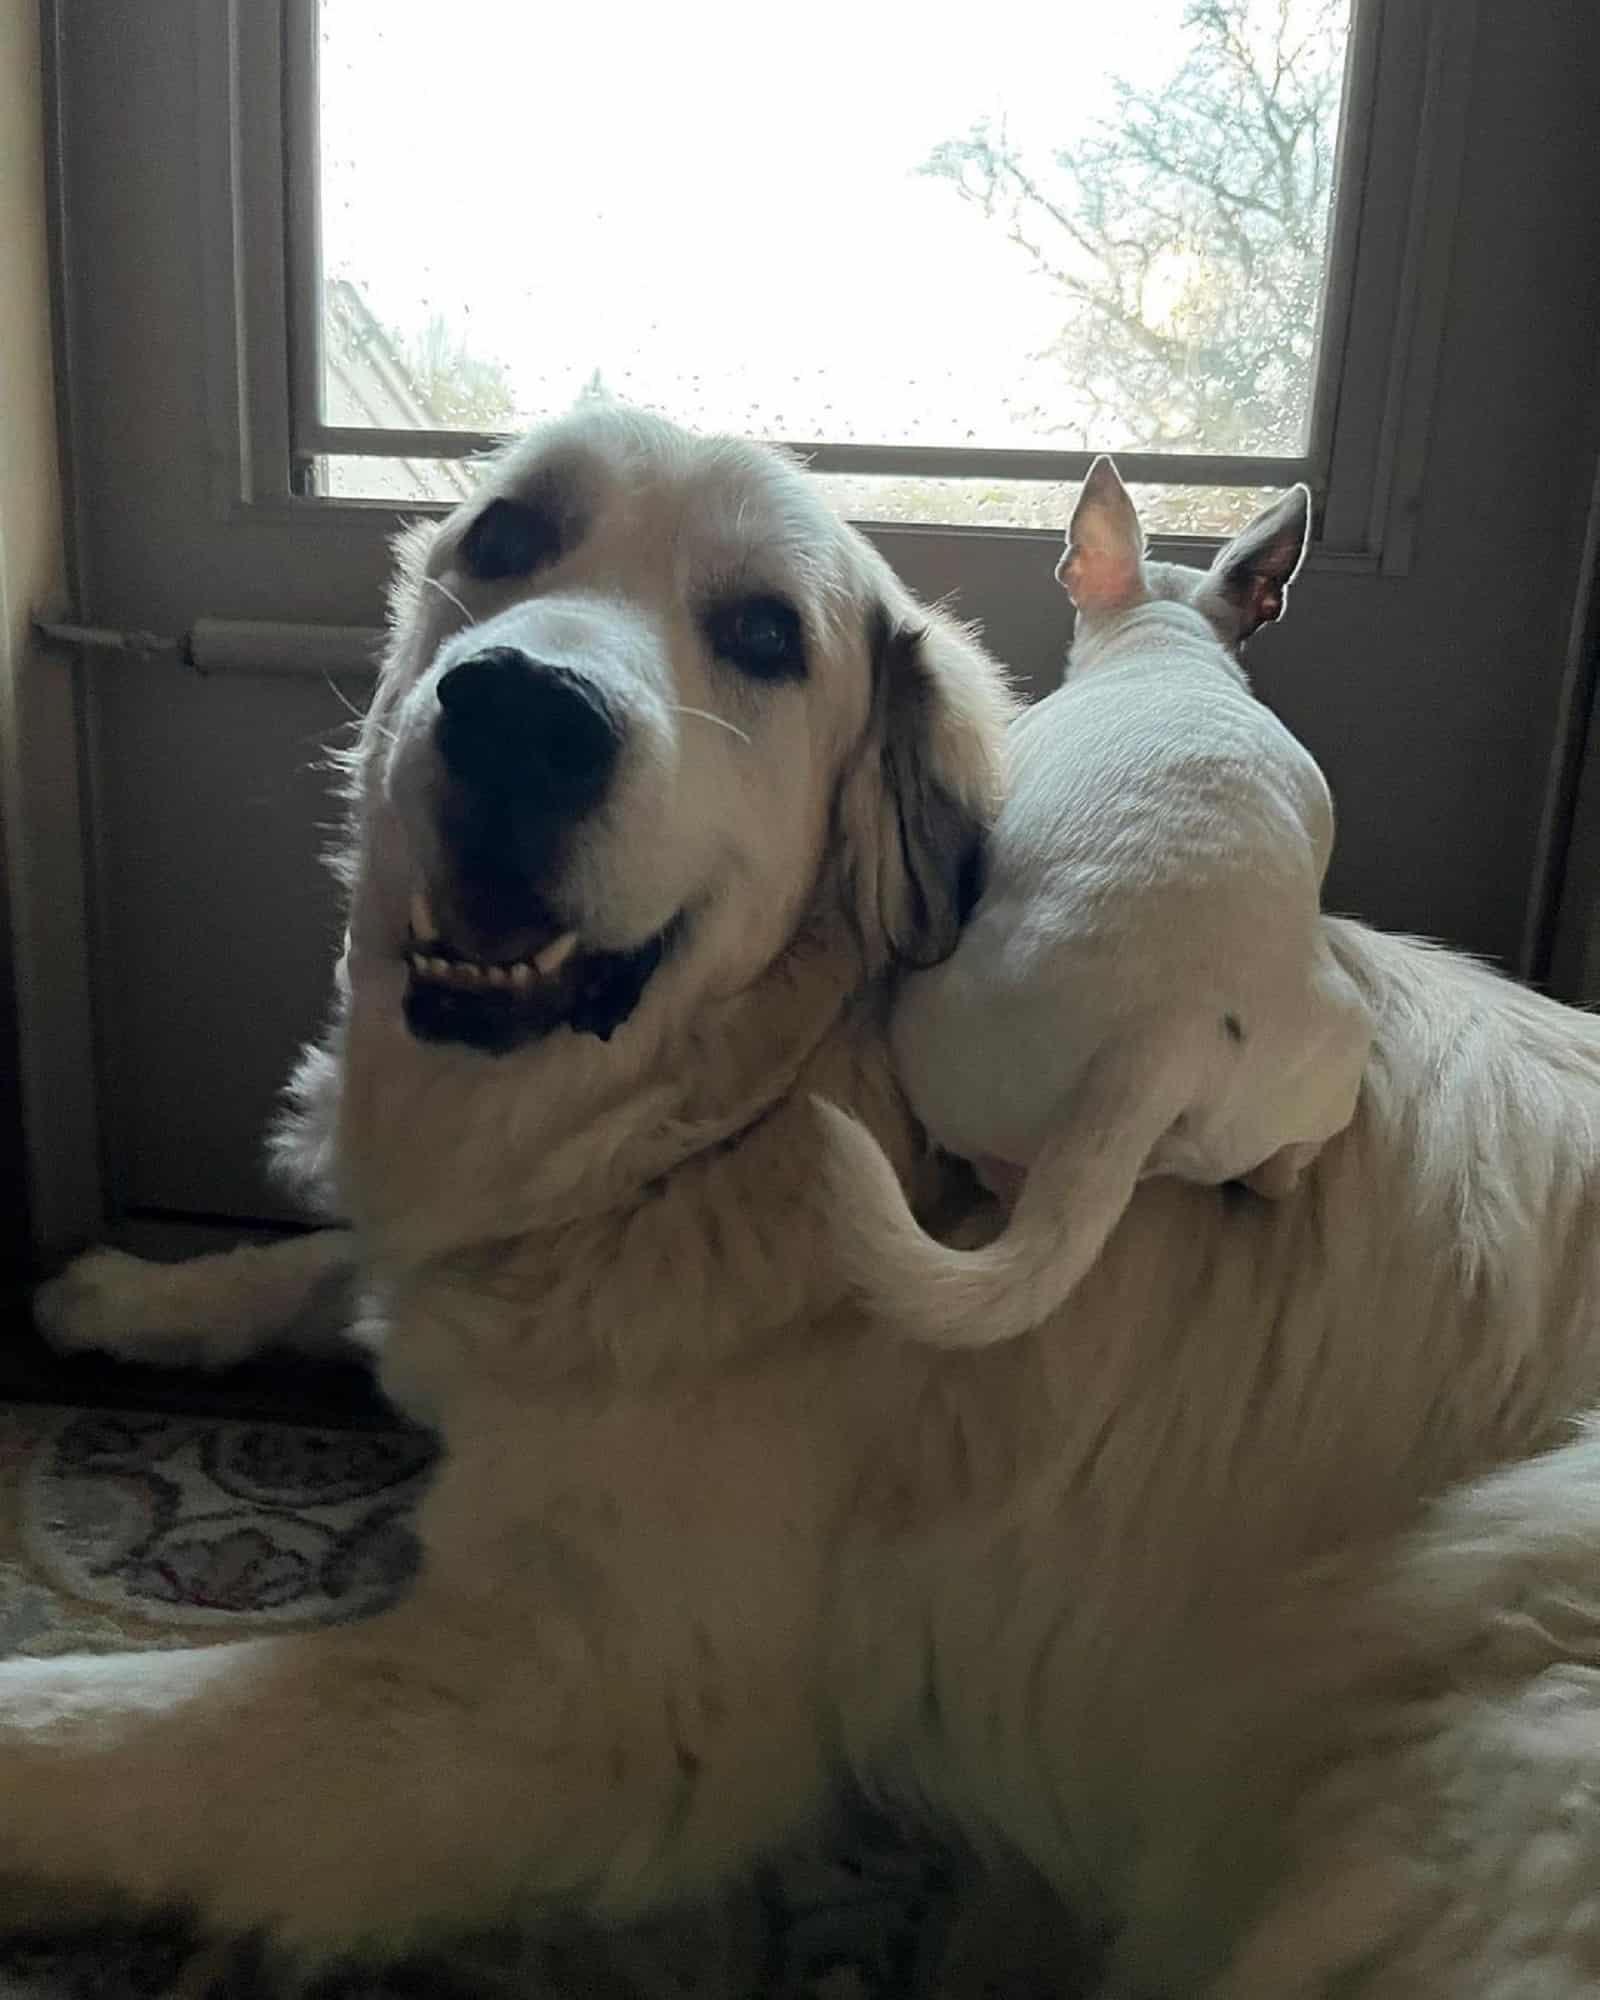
<point>761,636</point>
<point>509,538</point>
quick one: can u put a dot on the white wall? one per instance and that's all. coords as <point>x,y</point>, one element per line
<point>38,738</point>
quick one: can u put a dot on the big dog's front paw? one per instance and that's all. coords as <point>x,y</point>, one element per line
<point>207,1312</point>
<point>108,1302</point>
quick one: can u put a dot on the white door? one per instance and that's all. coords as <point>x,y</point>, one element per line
<point>310,258</point>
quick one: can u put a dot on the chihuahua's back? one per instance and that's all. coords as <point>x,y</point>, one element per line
<point>1145,985</point>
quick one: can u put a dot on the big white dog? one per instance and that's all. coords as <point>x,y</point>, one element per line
<point>1146,985</point>
<point>1190,1596</point>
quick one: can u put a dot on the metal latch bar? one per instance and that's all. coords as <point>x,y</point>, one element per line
<point>233,646</point>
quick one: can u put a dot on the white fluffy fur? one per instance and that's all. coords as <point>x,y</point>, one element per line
<point>1145,986</point>
<point>1189,1595</point>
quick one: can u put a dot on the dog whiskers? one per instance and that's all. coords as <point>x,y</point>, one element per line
<point>449,595</point>
<point>358,717</point>
<point>705,715</point>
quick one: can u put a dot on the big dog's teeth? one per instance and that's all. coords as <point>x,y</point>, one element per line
<point>521,975</point>
<point>422,923</point>
<point>497,975</point>
<point>556,954</point>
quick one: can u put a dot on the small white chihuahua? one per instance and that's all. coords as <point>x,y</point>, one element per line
<point>1145,986</point>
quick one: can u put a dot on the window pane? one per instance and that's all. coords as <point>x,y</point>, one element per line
<point>951,503</point>
<point>1080,228</point>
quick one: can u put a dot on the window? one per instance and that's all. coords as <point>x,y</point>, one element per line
<point>1420,664</point>
<point>946,264</point>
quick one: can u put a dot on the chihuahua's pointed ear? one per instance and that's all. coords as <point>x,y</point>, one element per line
<point>1103,568</point>
<point>1253,573</point>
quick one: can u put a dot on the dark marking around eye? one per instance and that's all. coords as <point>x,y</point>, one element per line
<point>1233,1027</point>
<point>510,538</point>
<point>761,636</point>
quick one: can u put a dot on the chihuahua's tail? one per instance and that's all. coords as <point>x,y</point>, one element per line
<point>1072,1199</point>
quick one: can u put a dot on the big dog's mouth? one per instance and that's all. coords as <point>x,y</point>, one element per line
<point>497,1004</point>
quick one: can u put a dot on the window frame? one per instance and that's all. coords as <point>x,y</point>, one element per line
<point>1403,134</point>
<point>1432,699</point>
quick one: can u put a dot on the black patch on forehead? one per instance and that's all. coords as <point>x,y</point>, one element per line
<point>509,538</point>
<point>515,534</point>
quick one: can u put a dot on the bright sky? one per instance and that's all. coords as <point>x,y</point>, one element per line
<point>717,205</point>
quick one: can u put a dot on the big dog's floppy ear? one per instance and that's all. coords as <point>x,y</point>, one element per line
<point>923,789</point>
<point>1248,585</point>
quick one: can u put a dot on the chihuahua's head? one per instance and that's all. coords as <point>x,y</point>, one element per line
<point>1105,572</point>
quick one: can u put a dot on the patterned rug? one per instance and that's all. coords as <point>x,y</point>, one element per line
<point>138,1530</point>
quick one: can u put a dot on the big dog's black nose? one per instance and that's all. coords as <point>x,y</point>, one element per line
<point>522,732</point>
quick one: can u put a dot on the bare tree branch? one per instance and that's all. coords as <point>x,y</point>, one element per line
<point>1184,234</point>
